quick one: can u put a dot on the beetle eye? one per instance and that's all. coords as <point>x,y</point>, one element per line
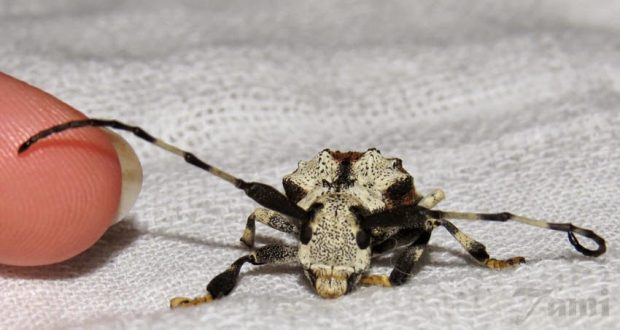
<point>400,188</point>
<point>363,239</point>
<point>305,235</point>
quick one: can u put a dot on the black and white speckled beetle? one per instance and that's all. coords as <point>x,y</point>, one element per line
<point>345,208</point>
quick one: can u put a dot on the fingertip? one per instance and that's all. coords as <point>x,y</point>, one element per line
<point>58,197</point>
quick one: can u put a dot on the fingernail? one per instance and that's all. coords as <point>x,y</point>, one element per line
<point>131,172</point>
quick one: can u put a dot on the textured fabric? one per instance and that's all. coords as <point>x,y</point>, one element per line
<point>505,105</point>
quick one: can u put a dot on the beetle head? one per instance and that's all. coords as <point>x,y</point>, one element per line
<point>333,249</point>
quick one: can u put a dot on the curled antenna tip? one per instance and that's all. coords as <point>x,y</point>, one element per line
<point>24,147</point>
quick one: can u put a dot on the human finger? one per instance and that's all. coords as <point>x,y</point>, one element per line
<point>58,198</point>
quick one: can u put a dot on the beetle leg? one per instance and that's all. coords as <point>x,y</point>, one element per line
<point>263,194</point>
<point>404,264</point>
<point>408,258</point>
<point>414,216</point>
<point>431,200</point>
<point>400,238</point>
<point>270,218</point>
<point>224,283</point>
<point>475,248</point>
<point>375,279</point>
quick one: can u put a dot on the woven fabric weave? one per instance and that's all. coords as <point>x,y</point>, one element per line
<point>506,106</point>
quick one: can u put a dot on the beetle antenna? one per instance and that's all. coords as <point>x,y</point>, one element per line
<point>568,228</point>
<point>137,131</point>
<point>265,195</point>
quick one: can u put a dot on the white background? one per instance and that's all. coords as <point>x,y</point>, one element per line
<point>506,106</point>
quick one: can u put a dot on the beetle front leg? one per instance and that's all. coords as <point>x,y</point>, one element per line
<point>224,283</point>
<point>270,218</point>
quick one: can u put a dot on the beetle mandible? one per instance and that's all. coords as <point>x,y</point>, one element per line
<point>345,208</point>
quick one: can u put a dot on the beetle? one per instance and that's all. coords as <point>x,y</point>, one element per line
<point>345,208</point>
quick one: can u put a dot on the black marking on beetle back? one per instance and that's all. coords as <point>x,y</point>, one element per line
<point>351,156</point>
<point>343,181</point>
<point>400,189</point>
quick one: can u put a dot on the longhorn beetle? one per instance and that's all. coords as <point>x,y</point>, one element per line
<point>345,208</point>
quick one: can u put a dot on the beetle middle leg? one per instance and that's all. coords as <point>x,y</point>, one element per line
<point>401,237</point>
<point>387,241</point>
<point>270,218</point>
<point>408,258</point>
<point>224,283</point>
<point>404,263</point>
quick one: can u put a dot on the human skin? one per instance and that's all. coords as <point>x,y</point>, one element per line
<point>58,198</point>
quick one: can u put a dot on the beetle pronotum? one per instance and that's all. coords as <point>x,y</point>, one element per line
<point>344,207</point>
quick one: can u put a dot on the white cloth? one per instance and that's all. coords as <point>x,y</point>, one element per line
<point>505,105</point>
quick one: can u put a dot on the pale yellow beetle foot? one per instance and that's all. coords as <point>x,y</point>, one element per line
<point>186,302</point>
<point>380,280</point>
